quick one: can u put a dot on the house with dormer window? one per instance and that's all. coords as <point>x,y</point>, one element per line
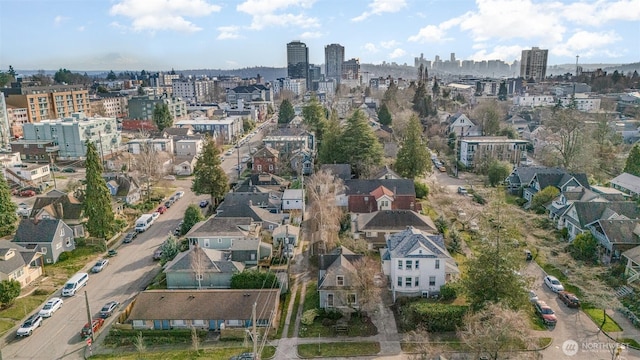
<point>336,280</point>
<point>417,263</point>
<point>365,196</point>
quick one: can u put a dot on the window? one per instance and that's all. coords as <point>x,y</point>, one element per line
<point>417,264</point>
<point>43,250</point>
<point>407,282</point>
<point>206,243</point>
<point>432,281</point>
<point>437,264</point>
<point>399,281</point>
<point>178,323</point>
<point>416,281</point>
<point>259,167</point>
<point>199,277</point>
<point>329,300</point>
<point>351,298</point>
<point>408,265</point>
<point>198,323</point>
<point>340,280</point>
<point>399,264</point>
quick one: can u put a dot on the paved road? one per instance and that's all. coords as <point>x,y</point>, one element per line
<point>126,275</point>
<point>230,162</point>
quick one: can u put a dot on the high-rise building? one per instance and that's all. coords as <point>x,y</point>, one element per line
<point>533,64</point>
<point>298,61</point>
<point>4,124</point>
<point>333,59</point>
<point>47,102</point>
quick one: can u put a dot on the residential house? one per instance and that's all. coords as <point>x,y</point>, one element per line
<point>138,146</point>
<point>200,268</point>
<point>238,236</point>
<point>293,199</point>
<point>228,129</point>
<point>123,187</point>
<point>180,132</point>
<point>364,196</point>
<point>462,126</point>
<point>627,183</point>
<point>631,259</point>
<point>386,173</point>
<point>286,234</point>
<point>271,200</point>
<point>36,175</point>
<point>59,205</point>
<point>616,236</point>
<point>268,220</point>
<point>184,309</point>
<point>526,181</point>
<point>265,160</point>
<point>561,203</point>
<point>286,140</point>
<point>474,150</point>
<point>518,124</point>
<point>301,161</point>
<point>19,263</point>
<point>264,182</point>
<point>375,227</point>
<point>580,214</point>
<point>51,237</point>
<point>417,263</point>
<point>337,280</point>
<point>340,171</point>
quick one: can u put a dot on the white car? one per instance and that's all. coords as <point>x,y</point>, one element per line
<point>179,194</point>
<point>100,265</point>
<point>33,322</point>
<point>155,215</point>
<point>532,296</point>
<point>50,307</point>
<point>553,283</point>
<point>245,159</point>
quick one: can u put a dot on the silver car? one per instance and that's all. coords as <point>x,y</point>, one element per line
<point>553,283</point>
<point>100,265</point>
<point>51,307</point>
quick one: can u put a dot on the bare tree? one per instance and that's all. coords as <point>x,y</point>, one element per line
<point>138,342</point>
<point>198,265</point>
<point>422,347</point>
<point>567,126</point>
<point>368,282</point>
<point>148,164</point>
<point>322,189</point>
<point>496,331</point>
<point>195,340</point>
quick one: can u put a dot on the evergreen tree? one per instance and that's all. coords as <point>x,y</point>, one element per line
<point>315,117</point>
<point>286,113</point>
<point>9,291</point>
<point>97,199</point>
<point>209,177</point>
<point>384,116</point>
<point>111,76</point>
<point>436,87</point>
<point>498,171</point>
<point>413,158</point>
<point>8,216</point>
<point>11,71</point>
<point>361,148</point>
<point>330,151</point>
<point>632,165</point>
<point>502,92</point>
<point>162,117</point>
<point>192,216</point>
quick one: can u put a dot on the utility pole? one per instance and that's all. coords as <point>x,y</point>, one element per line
<point>254,332</point>
<point>86,299</point>
<point>55,185</point>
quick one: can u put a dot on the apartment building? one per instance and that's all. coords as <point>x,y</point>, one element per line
<point>48,102</point>
<point>228,129</point>
<point>141,107</point>
<point>16,117</point>
<point>533,64</point>
<point>474,150</point>
<point>5,132</point>
<point>109,105</point>
<point>194,91</point>
<point>582,102</point>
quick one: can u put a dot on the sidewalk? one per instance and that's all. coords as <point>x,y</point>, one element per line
<point>628,331</point>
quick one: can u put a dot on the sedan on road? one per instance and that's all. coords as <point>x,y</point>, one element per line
<point>33,322</point>
<point>130,236</point>
<point>569,299</point>
<point>161,209</point>
<point>179,194</point>
<point>108,309</point>
<point>204,203</point>
<point>546,314</point>
<point>100,265</point>
<point>50,307</point>
<point>553,283</point>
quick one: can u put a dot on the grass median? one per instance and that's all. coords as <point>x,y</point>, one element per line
<point>333,349</point>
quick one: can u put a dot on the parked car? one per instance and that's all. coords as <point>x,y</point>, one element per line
<point>245,159</point>
<point>155,215</point>
<point>100,265</point>
<point>243,356</point>
<point>553,283</point>
<point>27,193</point>
<point>112,253</point>
<point>177,231</point>
<point>169,177</point>
<point>108,309</point>
<point>545,312</point>
<point>229,152</point>
<point>179,194</point>
<point>462,190</point>
<point>69,170</point>
<point>527,255</point>
<point>95,325</point>
<point>204,203</point>
<point>157,255</point>
<point>50,307</point>
<point>130,236</point>
<point>54,168</point>
<point>168,203</point>
<point>442,168</point>
<point>33,322</point>
<point>161,209</point>
<point>533,297</point>
<point>569,299</point>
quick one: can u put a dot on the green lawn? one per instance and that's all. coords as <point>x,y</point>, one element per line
<point>284,307</point>
<point>294,314</point>
<point>209,354</point>
<point>23,307</point>
<point>5,325</point>
<point>596,315</point>
<point>338,349</point>
<point>76,260</point>
<point>311,297</point>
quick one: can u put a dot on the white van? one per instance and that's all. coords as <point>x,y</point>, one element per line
<point>144,222</point>
<point>74,284</point>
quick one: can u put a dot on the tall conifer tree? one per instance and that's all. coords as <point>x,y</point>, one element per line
<point>97,199</point>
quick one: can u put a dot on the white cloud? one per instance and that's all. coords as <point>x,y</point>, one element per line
<point>163,14</point>
<point>80,28</point>
<point>377,7</point>
<point>397,53</point>
<point>370,47</point>
<point>116,25</point>
<point>389,44</point>
<point>59,20</point>
<point>428,34</point>
<point>228,32</point>
<point>266,13</point>
<point>311,35</point>
<point>602,11</point>
<point>586,43</point>
<point>500,52</point>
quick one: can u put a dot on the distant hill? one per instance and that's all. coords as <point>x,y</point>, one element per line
<point>571,68</point>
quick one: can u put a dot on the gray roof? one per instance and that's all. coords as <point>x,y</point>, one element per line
<point>620,231</point>
<point>223,226</point>
<point>197,304</point>
<point>627,181</point>
<point>589,212</point>
<point>22,257</point>
<point>211,261</point>
<point>288,230</point>
<point>401,244</point>
<point>386,220</point>
<point>42,231</point>
<point>245,199</point>
<point>385,171</point>
<point>633,254</point>
<point>293,194</point>
<point>523,175</point>
<point>255,213</point>
<point>362,186</point>
<point>341,171</point>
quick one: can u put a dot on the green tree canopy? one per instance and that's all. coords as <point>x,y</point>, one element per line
<point>330,151</point>
<point>489,115</point>
<point>584,247</point>
<point>543,197</point>
<point>111,76</point>
<point>360,146</point>
<point>384,116</point>
<point>169,249</point>
<point>632,165</point>
<point>97,199</point>
<point>315,117</point>
<point>162,117</point>
<point>498,172</point>
<point>9,291</point>
<point>286,113</point>
<point>8,216</point>
<point>192,216</point>
<point>208,176</point>
<point>254,279</point>
<point>413,158</point>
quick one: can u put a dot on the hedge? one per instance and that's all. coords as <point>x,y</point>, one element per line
<point>436,317</point>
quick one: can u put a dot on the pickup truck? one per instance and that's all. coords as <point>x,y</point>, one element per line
<point>96,324</point>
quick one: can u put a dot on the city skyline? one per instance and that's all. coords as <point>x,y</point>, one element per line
<point>199,34</point>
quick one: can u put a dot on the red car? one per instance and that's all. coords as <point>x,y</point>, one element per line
<point>96,324</point>
<point>162,209</point>
<point>569,299</point>
<point>27,193</point>
<point>546,314</point>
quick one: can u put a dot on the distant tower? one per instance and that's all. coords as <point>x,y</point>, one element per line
<point>533,64</point>
<point>298,61</point>
<point>453,57</point>
<point>333,59</point>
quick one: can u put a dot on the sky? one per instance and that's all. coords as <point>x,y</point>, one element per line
<point>229,34</point>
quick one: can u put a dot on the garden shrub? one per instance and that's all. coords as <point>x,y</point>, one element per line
<point>434,317</point>
<point>448,291</point>
<point>309,316</point>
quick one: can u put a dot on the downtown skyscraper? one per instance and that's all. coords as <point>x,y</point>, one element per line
<point>298,61</point>
<point>533,64</point>
<point>333,60</point>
